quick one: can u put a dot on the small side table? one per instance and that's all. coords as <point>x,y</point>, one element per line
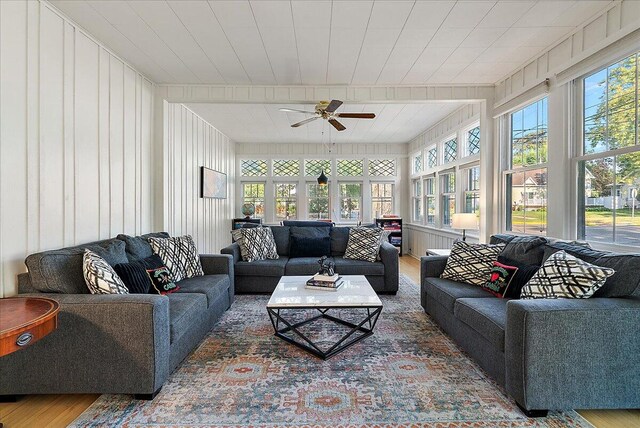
<point>25,320</point>
<point>439,252</point>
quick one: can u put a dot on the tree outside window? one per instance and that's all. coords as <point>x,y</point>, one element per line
<point>286,201</point>
<point>448,197</point>
<point>417,201</point>
<point>472,193</point>
<point>253,193</point>
<point>318,207</point>
<point>430,199</point>
<point>381,199</point>
<point>350,201</point>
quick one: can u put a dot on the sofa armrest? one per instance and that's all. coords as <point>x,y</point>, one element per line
<point>432,266</point>
<point>573,353</point>
<point>213,264</point>
<point>103,344</point>
<point>234,251</point>
<point>389,257</point>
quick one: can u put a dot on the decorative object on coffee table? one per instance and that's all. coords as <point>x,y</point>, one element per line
<point>24,321</point>
<point>291,297</point>
<point>327,267</point>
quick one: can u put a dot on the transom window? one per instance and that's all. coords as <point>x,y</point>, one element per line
<point>286,201</point>
<point>253,168</point>
<point>473,141</point>
<point>381,199</point>
<point>350,167</point>
<point>318,206</point>
<point>314,167</point>
<point>450,150</point>
<point>432,157</point>
<point>417,163</point>
<point>286,167</point>
<point>350,201</point>
<point>382,167</point>
<point>253,193</point>
<point>448,197</point>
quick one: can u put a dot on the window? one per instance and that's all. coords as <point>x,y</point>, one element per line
<point>473,141</point>
<point>432,157</point>
<point>286,168</point>
<point>318,201</point>
<point>526,180</point>
<point>382,167</point>
<point>350,201</point>
<point>286,202</point>
<point>417,201</point>
<point>253,168</point>
<point>610,179</point>
<point>381,199</point>
<point>350,167</point>
<point>313,167</point>
<point>472,193</point>
<point>430,199</point>
<point>448,197</point>
<point>253,193</point>
<point>417,163</point>
<point>450,150</point>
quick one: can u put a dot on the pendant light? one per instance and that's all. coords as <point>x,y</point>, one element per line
<point>322,179</point>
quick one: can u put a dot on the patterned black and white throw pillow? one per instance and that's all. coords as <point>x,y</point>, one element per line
<point>564,276</point>
<point>100,276</point>
<point>259,244</point>
<point>471,263</point>
<point>236,235</point>
<point>179,254</point>
<point>364,243</point>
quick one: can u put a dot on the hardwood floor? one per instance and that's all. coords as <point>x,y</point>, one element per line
<point>52,411</point>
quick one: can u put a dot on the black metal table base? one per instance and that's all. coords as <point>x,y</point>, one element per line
<point>356,333</point>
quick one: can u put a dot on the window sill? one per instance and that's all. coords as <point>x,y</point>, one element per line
<point>441,231</point>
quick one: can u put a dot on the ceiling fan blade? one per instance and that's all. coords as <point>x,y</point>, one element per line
<point>333,106</point>
<point>337,125</point>
<point>311,119</point>
<point>293,110</point>
<point>357,115</point>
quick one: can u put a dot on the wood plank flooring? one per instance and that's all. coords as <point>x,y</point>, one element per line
<point>53,411</point>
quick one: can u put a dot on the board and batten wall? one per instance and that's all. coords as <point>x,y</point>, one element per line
<point>75,138</point>
<point>189,143</point>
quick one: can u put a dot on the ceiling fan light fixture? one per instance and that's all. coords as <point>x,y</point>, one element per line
<point>322,179</point>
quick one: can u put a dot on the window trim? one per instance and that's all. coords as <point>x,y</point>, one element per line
<point>381,199</point>
<point>307,199</point>
<point>275,200</point>
<point>264,198</point>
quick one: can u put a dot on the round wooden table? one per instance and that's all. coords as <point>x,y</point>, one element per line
<point>25,320</point>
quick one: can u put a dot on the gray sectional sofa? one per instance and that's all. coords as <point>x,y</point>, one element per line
<point>262,276</point>
<point>548,353</point>
<point>125,344</point>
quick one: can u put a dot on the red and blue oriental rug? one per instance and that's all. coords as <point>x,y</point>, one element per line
<point>408,374</point>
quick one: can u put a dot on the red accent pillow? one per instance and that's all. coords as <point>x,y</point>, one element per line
<point>499,279</point>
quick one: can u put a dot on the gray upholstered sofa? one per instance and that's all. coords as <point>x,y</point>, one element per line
<point>548,353</point>
<point>262,276</point>
<point>125,344</point>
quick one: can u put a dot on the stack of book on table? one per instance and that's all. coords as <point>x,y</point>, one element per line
<point>324,282</point>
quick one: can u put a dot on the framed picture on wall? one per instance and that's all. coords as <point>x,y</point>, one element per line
<point>213,184</point>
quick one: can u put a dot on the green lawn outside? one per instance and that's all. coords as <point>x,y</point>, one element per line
<point>600,217</point>
<point>532,218</point>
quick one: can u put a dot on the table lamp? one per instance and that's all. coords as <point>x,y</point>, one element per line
<point>464,221</point>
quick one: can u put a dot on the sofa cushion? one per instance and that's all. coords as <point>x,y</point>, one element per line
<point>137,247</point>
<point>185,309</point>
<point>310,241</point>
<point>527,250</point>
<point>446,291</point>
<point>303,266</point>
<point>211,286</point>
<point>281,236</point>
<point>624,282</point>
<point>261,267</point>
<point>339,240</point>
<point>60,271</point>
<point>100,276</point>
<point>471,263</point>
<point>179,254</point>
<point>364,243</point>
<point>307,223</point>
<point>486,316</point>
<point>520,278</point>
<point>358,267</point>
<point>259,243</point>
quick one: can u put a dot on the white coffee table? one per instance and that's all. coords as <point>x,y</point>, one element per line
<point>355,294</point>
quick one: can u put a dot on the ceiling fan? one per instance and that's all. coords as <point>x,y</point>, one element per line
<point>327,110</point>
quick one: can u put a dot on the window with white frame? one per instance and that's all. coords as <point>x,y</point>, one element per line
<point>318,203</point>
<point>472,191</point>
<point>253,167</point>
<point>381,199</point>
<point>450,150</point>
<point>286,167</point>
<point>350,167</point>
<point>430,199</point>
<point>253,194</point>
<point>382,167</point>
<point>313,167</point>
<point>432,157</point>
<point>447,196</point>
<point>609,166</point>
<point>526,177</point>
<point>286,201</point>
<point>473,141</point>
<point>350,201</point>
<point>416,199</point>
<point>417,163</point>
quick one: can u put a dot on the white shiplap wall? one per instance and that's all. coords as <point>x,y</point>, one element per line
<point>75,138</point>
<point>189,143</point>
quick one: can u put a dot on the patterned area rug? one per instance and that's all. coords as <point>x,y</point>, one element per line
<point>408,374</point>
